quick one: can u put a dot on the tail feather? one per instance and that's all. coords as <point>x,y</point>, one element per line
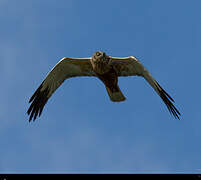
<point>115,94</point>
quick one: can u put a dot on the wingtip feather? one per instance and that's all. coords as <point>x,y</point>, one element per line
<point>38,101</point>
<point>167,100</point>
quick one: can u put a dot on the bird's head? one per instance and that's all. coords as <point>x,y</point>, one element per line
<point>99,55</point>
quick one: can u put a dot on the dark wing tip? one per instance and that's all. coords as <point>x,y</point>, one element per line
<point>167,100</point>
<point>38,101</point>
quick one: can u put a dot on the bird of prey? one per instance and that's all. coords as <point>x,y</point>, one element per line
<point>105,68</point>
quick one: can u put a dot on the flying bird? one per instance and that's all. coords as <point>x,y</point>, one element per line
<point>105,68</point>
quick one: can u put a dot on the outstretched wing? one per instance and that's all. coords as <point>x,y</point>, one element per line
<point>65,68</point>
<point>131,66</point>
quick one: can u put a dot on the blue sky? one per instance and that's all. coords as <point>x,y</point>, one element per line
<point>81,130</point>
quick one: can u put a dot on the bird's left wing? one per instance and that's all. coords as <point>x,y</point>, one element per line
<point>131,66</point>
<point>65,68</point>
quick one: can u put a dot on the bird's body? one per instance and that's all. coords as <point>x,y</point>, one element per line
<point>104,67</point>
<point>107,74</point>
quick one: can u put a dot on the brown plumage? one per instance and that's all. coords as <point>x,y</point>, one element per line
<point>106,68</point>
<point>108,75</point>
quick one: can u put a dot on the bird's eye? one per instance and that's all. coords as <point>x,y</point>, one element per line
<point>98,54</point>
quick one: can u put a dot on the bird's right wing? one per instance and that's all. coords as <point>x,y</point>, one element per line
<point>131,66</point>
<point>65,68</point>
